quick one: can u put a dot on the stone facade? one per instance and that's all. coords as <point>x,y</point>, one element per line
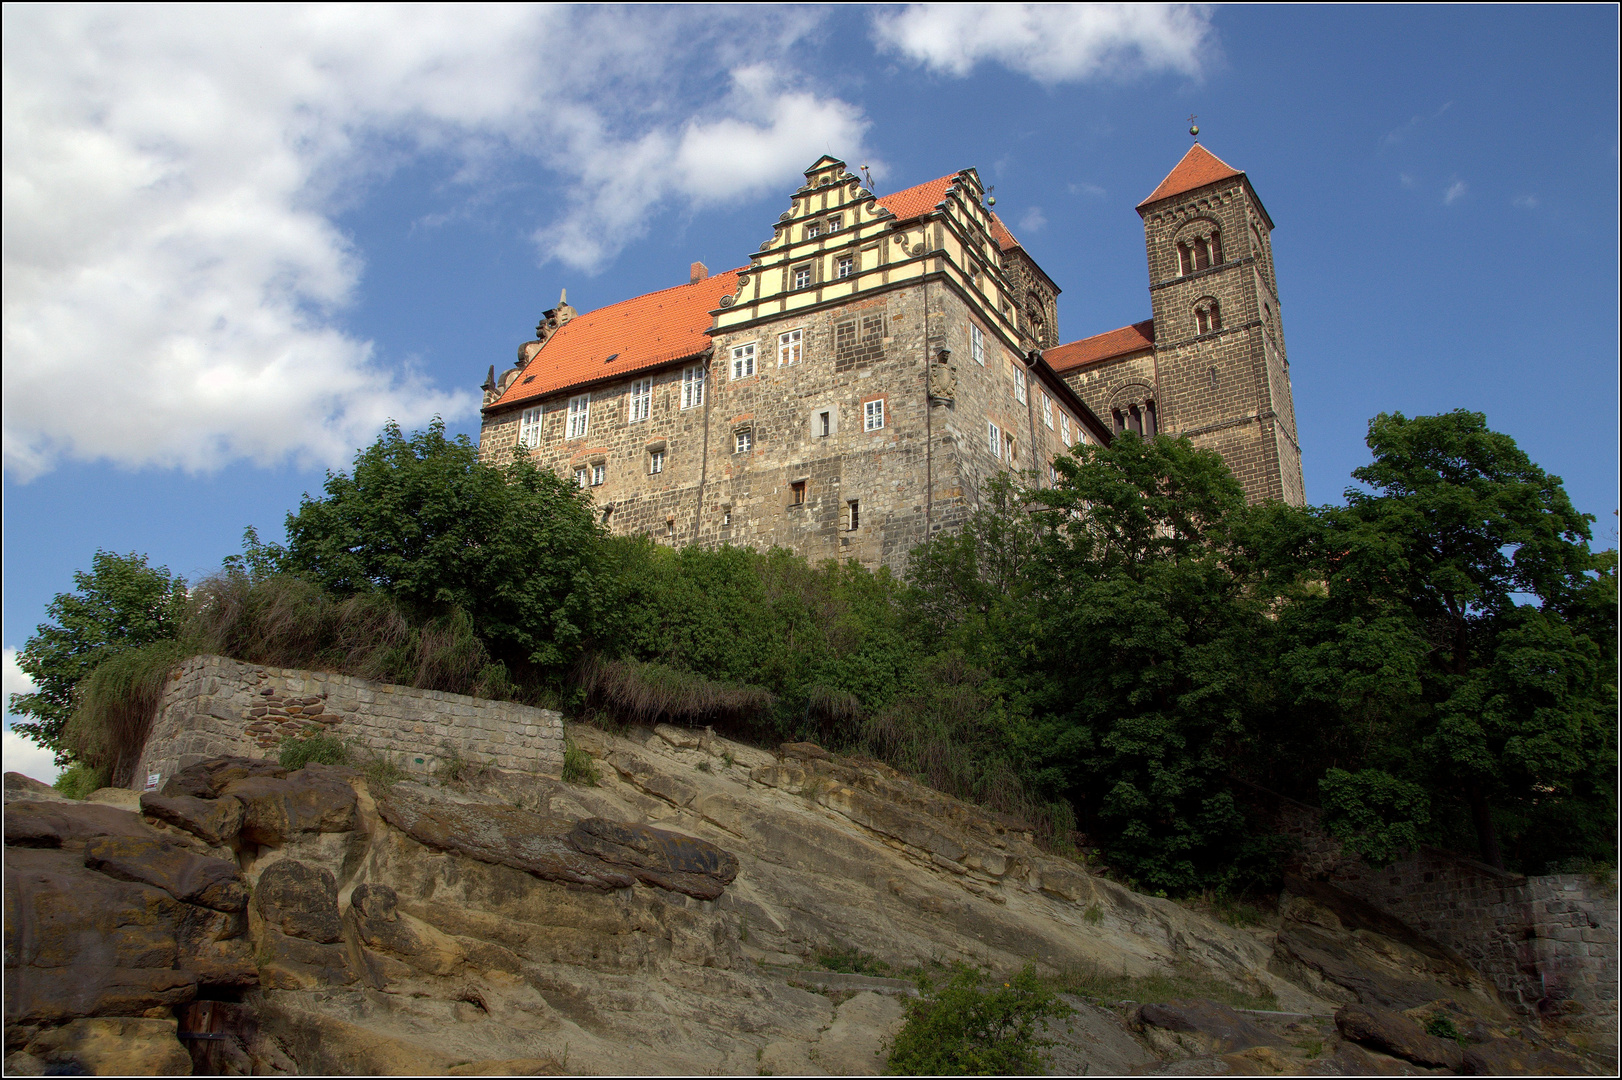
<point>215,706</point>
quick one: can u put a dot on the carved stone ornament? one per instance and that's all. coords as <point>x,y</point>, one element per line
<point>785,216</point>
<point>765,245</point>
<point>743,279</point>
<point>728,301</point>
<point>918,249</point>
<point>943,381</point>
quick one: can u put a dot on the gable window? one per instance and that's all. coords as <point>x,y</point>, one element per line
<point>582,476</point>
<point>579,415</point>
<point>788,348</point>
<point>846,266</point>
<point>873,415</point>
<point>529,428</point>
<point>599,473</point>
<point>1019,385</point>
<point>994,439</point>
<point>802,277</point>
<point>836,223</point>
<point>692,386</point>
<point>1047,411</point>
<point>743,361</point>
<point>641,399</point>
<point>1064,428</point>
<point>743,441</point>
<point>1207,317</point>
<point>977,344</point>
<point>656,462</point>
<point>812,231</point>
<point>797,493</point>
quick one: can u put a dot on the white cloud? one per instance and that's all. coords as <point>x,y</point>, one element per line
<point>1407,180</point>
<point>29,758</point>
<point>1455,191</point>
<point>1033,220</point>
<point>1398,134</point>
<point>16,680</point>
<point>173,275</point>
<point>1053,43</point>
<point>1527,202</point>
<point>1087,189</point>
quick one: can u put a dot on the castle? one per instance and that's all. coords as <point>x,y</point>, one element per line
<point>849,390</point>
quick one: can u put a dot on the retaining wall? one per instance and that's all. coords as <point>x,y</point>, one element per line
<point>216,706</point>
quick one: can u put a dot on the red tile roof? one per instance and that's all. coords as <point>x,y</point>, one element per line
<point>1198,168</point>
<point>639,333</point>
<point>917,200</point>
<point>1112,343</point>
<point>1000,233</point>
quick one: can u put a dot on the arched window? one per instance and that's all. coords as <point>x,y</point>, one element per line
<point>1138,417</point>
<point>1207,316</point>
<point>1200,251</point>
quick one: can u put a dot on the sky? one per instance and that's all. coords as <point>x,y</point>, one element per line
<point>237,240</point>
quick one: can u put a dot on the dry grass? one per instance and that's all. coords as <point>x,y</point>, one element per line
<point>116,705</point>
<point>1092,983</point>
<point>637,692</point>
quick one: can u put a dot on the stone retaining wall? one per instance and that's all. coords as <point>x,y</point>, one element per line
<point>217,706</point>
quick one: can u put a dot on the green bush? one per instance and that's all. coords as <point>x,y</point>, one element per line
<point>322,747</point>
<point>578,766</point>
<point>79,780</point>
<point>851,961</point>
<point>966,1029</point>
<point>115,706</point>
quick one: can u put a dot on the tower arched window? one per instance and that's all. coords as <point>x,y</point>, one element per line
<point>1199,252</point>
<point>1207,316</point>
<point>1138,417</point>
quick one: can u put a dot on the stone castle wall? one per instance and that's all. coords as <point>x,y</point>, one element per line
<point>216,706</point>
<point>1549,943</point>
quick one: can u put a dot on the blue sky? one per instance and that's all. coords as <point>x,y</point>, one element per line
<point>236,240</point>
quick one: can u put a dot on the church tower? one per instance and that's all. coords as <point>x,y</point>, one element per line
<point>1221,368</point>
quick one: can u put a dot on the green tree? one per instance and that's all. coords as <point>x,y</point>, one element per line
<point>120,604</point>
<point>424,521</point>
<point>963,1028</point>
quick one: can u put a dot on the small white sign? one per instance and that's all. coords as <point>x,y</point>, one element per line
<point>152,781</point>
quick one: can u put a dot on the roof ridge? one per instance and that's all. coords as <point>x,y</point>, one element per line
<point>668,288</point>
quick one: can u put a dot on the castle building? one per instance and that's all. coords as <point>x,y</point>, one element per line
<point>848,392</point>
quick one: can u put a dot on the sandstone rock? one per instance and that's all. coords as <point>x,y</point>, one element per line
<point>48,995</point>
<point>214,821</point>
<point>1349,1059</point>
<point>379,925</point>
<point>669,860</point>
<point>194,879</point>
<point>1397,1035</point>
<point>497,834</point>
<point>123,798</point>
<point>1197,1027</point>
<point>1515,1057</point>
<point>655,782</point>
<point>291,963</point>
<point>113,1046</point>
<point>680,738</point>
<point>17,786</point>
<point>58,914</point>
<point>300,901</point>
<point>276,809</point>
<point>805,751</point>
<point>207,779</point>
<point>54,824</point>
<point>214,946</point>
<point>509,1067</point>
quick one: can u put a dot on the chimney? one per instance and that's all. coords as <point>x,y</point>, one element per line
<point>697,273</point>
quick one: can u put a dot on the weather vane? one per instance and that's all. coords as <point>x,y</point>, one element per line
<point>1193,128</point>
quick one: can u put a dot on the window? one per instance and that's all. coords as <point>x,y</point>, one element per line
<point>582,476</point>
<point>743,361</point>
<point>1185,260</point>
<point>802,277</point>
<point>855,508</point>
<point>692,387</point>
<point>726,516</point>
<point>1207,317</point>
<point>994,439</point>
<point>1151,423</point>
<point>742,441</point>
<point>1019,384</point>
<point>788,348</point>
<point>872,415</point>
<point>1139,418</point>
<point>641,399</point>
<point>977,345</point>
<point>579,415</point>
<point>812,231</point>
<point>974,276</point>
<point>836,223</point>
<point>824,424</point>
<point>1053,475</point>
<point>599,473</point>
<point>656,462</point>
<point>1064,428</point>
<point>846,265</point>
<point>1010,451</point>
<point>1047,411</point>
<point>797,493</point>
<point>529,428</point>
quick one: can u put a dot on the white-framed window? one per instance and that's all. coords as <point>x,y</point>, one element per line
<point>1047,410</point>
<point>529,428</point>
<point>599,473</point>
<point>823,425</point>
<point>846,266</point>
<point>788,348</point>
<point>1019,384</point>
<point>1009,448</point>
<point>836,223</point>
<point>813,230</point>
<point>743,441</point>
<point>802,277</point>
<point>656,462</point>
<point>994,439</point>
<point>1064,428</point>
<point>579,415</point>
<point>872,415</point>
<point>743,360</point>
<point>582,476</point>
<point>977,344</point>
<point>692,386</point>
<point>1053,475</point>
<point>641,400</point>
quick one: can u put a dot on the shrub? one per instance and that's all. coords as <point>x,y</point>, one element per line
<point>963,1029</point>
<point>115,707</point>
<point>382,772</point>
<point>578,767</point>
<point>323,747</point>
<point>78,780</point>
<point>851,961</point>
<point>649,693</point>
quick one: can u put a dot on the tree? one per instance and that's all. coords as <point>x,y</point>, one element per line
<point>120,604</point>
<point>424,521</point>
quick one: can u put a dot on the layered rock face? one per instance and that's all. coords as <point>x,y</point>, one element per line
<point>250,920</point>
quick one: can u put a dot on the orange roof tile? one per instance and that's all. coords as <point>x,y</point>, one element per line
<point>1198,168</point>
<point>638,333</point>
<point>1000,233</point>
<point>1128,339</point>
<point>917,200</point>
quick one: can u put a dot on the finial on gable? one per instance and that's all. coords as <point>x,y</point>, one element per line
<point>1193,128</point>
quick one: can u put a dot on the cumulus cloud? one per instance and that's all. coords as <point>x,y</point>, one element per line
<point>29,758</point>
<point>16,680</point>
<point>1053,43</point>
<point>174,280</point>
